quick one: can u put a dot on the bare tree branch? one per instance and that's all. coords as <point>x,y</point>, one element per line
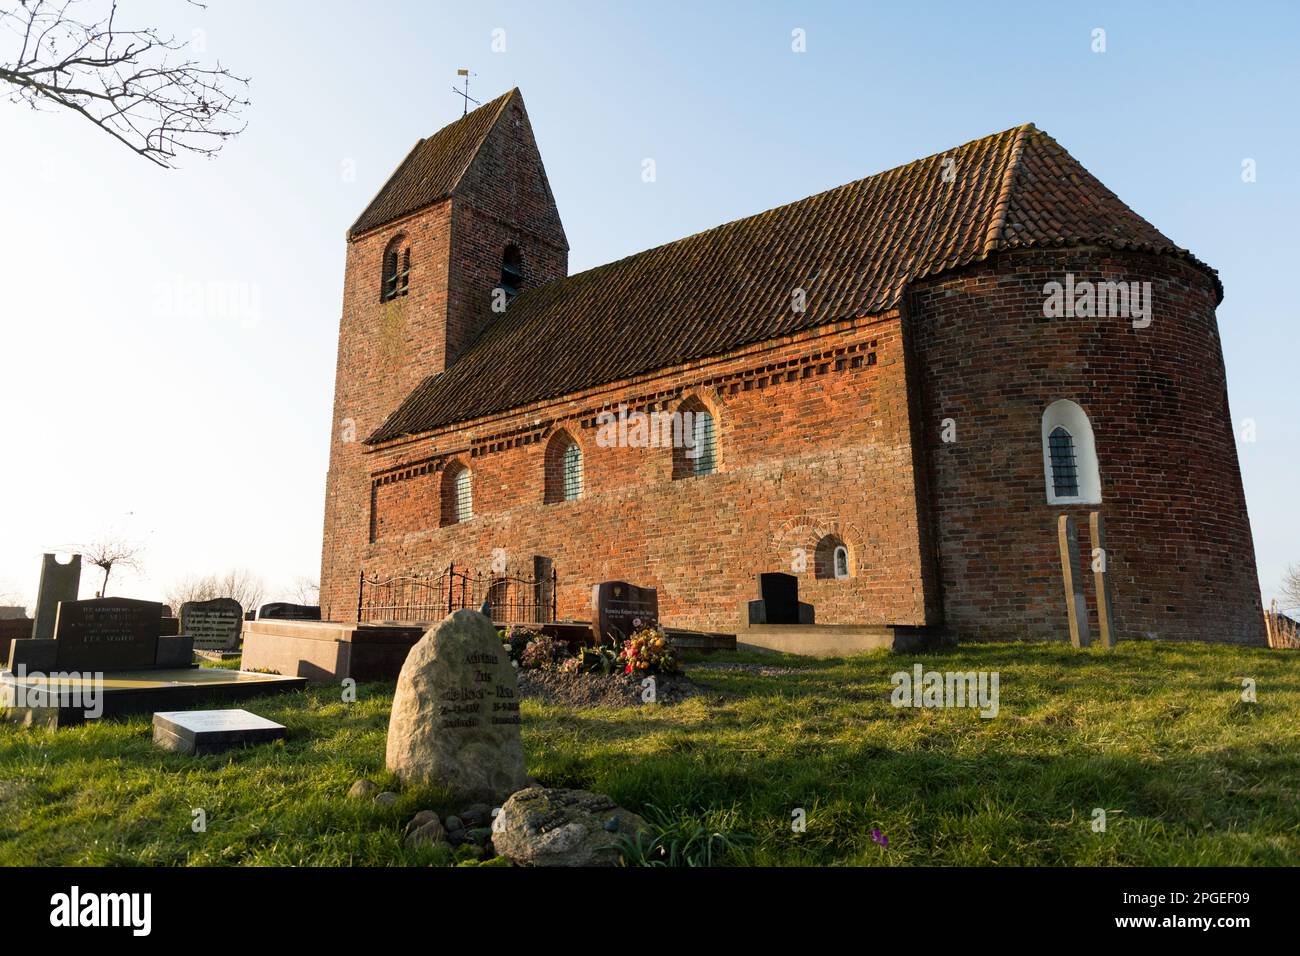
<point>109,552</point>
<point>1290,591</point>
<point>135,85</point>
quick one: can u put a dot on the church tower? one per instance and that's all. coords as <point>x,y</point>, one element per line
<point>465,222</point>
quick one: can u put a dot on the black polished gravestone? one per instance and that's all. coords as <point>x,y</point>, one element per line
<point>215,625</point>
<point>107,634</point>
<point>780,602</point>
<point>619,609</point>
<point>281,611</point>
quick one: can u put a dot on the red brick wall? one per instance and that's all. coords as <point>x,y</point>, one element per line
<point>1180,547</point>
<point>387,349</point>
<point>813,439</point>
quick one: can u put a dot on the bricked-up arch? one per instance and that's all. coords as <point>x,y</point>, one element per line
<point>833,558</point>
<point>565,468</point>
<point>457,493</point>
<point>396,279</point>
<point>695,439</point>
<point>1070,465</point>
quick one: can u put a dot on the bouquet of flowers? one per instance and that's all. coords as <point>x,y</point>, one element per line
<point>648,651</point>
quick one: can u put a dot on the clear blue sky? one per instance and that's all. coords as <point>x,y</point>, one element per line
<point>203,428</point>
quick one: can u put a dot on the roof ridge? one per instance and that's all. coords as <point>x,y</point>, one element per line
<point>994,234</point>
<point>419,179</point>
<point>500,102</point>
<point>842,187</point>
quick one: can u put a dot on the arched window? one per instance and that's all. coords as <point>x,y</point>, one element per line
<point>397,269</point>
<point>572,472</point>
<point>464,496</point>
<point>1065,467</point>
<point>840,560</point>
<point>1070,467</point>
<point>831,559</point>
<point>457,494</point>
<point>695,440</point>
<point>512,271</point>
<point>564,478</point>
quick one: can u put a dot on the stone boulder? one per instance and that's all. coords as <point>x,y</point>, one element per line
<point>543,827</point>
<point>455,720</point>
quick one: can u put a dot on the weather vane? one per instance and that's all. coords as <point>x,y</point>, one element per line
<point>465,92</point>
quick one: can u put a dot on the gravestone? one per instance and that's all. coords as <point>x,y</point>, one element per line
<point>779,602</point>
<point>12,612</point>
<point>455,719</point>
<point>202,732</point>
<point>780,596</point>
<point>215,625</point>
<point>619,609</point>
<point>1076,606</point>
<point>59,582</point>
<point>107,634</point>
<point>13,629</point>
<point>282,611</point>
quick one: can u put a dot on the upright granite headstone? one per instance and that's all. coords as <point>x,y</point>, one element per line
<point>13,629</point>
<point>455,720</point>
<point>59,582</point>
<point>281,611</point>
<point>106,634</point>
<point>779,602</point>
<point>215,625</point>
<point>781,596</point>
<point>619,609</point>
<point>12,612</point>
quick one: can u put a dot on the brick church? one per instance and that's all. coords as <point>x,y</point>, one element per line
<point>881,403</point>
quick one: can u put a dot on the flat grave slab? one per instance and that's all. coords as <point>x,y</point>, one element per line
<point>202,732</point>
<point>61,700</point>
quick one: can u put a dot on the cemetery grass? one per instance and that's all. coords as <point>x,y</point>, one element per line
<point>1155,734</point>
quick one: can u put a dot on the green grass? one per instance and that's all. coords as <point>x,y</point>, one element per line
<point>1156,734</point>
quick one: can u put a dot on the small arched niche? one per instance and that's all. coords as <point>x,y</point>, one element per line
<point>832,559</point>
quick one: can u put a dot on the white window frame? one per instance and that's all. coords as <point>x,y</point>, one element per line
<point>571,460</point>
<point>463,506</point>
<point>1066,414</point>
<point>835,562</point>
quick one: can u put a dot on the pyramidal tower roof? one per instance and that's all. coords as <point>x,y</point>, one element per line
<point>853,250</point>
<point>433,168</point>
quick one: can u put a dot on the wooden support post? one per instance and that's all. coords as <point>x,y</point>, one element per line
<point>1076,606</point>
<point>1101,578</point>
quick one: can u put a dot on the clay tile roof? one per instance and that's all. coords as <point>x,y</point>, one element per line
<point>432,168</point>
<point>853,250</point>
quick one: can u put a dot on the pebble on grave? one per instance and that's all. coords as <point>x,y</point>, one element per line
<point>202,732</point>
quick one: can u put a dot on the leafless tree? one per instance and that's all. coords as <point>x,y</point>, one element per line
<point>242,585</point>
<point>137,85</point>
<point>1290,592</point>
<point>306,591</point>
<point>109,552</point>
